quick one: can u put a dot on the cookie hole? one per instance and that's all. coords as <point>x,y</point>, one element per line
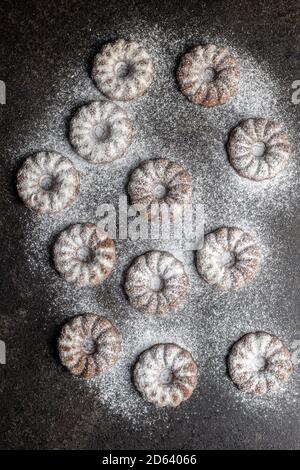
<point>160,191</point>
<point>123,70</point>
<point>258,149</point>
<point>156,284</point>
<point>260,364</point>
<point>228,259</point>
<point>47,182</point>
<point>102,132</point>
<point>85,254</point>
<point>166,376</point>
<point>89,346</point>
<point>209,75</point>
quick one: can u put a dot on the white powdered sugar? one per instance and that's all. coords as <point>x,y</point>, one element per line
<point>167,125</point>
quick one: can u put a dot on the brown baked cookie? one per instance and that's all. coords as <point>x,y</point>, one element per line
<point>165,375</point>
<point>84,255</point>
<point>89,345</point>
<point>48,182</point>
<point>162,187</point>
<point>259,363</point>
<point>156,283</point>
<point>123,70</point>
<point>259,149</point>
<point>208,75</point>
<point>100,132</point>
<point>229,259</point>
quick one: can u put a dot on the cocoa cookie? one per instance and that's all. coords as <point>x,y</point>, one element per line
<point>165,375</point>
<point>259,363</point>
<point>48,182</point>
<point>123,70</point>
<point>208,75</point>
<point>89,345</point>
<point>259,149</point>
<point>229,259</point>
<point>84,255</point>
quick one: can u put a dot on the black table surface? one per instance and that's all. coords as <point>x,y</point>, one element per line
<point>38,39</point>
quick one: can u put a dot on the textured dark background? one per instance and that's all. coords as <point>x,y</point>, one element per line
<point>37,38</point>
